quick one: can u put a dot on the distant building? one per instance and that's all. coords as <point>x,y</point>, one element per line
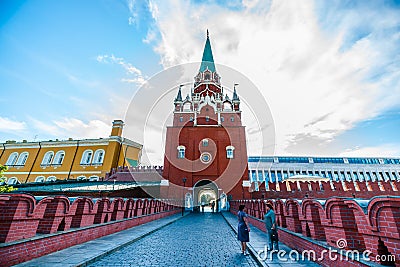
<point>278,169</point>
<point>87,159</point>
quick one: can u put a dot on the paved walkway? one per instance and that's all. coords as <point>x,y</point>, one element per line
<point>199,239</point>
<point>258,241</point>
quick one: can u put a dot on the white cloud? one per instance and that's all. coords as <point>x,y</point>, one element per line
<point>8,125</point>
<point>133,11</point>
<point>316,89</point>
<point>72,127</point>
<point>136,75</point>
<point>386,150</point>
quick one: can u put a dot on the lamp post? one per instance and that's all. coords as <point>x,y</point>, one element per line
<point>183,194</point>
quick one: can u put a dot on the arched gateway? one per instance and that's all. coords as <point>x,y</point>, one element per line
<point>204,193</point>
<point>205,148</point>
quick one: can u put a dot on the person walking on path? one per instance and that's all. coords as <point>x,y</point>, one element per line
<point>243,229</point>
<point>270,226</point>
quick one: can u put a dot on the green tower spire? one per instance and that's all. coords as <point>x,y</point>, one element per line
<point>207,61</point>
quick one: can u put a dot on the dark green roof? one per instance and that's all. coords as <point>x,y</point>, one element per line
<point>179,96</point>
<point>207,61</point>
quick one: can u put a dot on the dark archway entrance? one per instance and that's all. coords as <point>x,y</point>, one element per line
<point>204,193</point>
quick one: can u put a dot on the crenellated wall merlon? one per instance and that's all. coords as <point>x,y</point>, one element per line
<point>322,189</point>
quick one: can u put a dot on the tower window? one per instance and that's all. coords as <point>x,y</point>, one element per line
<point>207,118</point>
<point>222,119</point>
<point>181,152</point>
<point>191,118</point>
<point>205,142</point>
<point>181,119</point>
<point>232,118</point>
<point>229,152</point>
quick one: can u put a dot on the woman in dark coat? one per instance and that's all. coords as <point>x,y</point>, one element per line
<point>243,229</point>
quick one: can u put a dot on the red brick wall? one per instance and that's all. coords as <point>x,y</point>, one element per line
<point>25,250</point>
<point>373,225</point>
<point>21,218</point>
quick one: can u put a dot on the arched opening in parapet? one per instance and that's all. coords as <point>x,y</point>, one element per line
<point>385,257</point>
<point>205,196</point>
<point>61,226</point>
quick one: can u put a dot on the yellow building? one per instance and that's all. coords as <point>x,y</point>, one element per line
<point>68,159</point>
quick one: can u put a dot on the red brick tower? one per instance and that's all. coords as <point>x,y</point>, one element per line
<point>206,145</point>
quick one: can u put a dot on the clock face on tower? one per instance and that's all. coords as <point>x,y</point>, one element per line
<point>205,157</point>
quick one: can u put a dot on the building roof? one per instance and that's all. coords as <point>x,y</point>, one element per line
<point>179,96</point>
<point>207,61</point>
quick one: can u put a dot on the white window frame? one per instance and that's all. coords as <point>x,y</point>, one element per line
<point>86,160</point>
<point>40,179</point>
<point>181,152</point>
<point>59,155</point>
<point>96,158</point>
<point>47,158</point>
<point>94,178</point>
<point>12,159</point>
<point>204,142</point>
<point>12,180</point>
<point>81,178</point>
<point>230,152</point>
<point>23,157</point>
<point>51,179</point>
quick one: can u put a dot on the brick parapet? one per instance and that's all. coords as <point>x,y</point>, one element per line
<point>21,217</point>
<point>357,189</point>
<point>365,225</point>
<point>27,249</point>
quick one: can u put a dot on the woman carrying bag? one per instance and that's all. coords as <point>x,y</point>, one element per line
<point>243,229</point>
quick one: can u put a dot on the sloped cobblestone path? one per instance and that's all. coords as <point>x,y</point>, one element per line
<point>195,240</point>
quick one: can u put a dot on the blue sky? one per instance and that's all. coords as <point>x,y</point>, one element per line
<point>329,70</point>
